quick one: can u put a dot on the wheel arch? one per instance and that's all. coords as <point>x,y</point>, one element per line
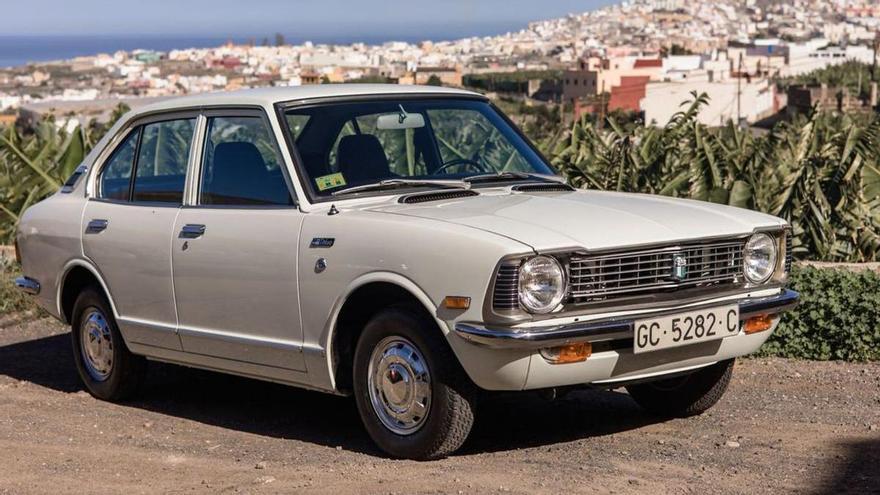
<point>76,275</point>
<point>365,297</point>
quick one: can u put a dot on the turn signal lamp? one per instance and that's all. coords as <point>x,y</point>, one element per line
<point>456,302</point>
<point>758,323</point>
<point>569,353</point>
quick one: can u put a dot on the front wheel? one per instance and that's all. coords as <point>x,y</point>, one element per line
<point>413,398</point>
<point>686,395</point>
<point>106,366</point>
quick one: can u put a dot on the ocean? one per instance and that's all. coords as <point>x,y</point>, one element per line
<point>18,50</point>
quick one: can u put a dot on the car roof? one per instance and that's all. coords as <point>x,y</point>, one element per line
<point>269,96</point>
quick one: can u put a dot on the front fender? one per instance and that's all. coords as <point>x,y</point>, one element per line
<point>319,358</point>
<point>489,369</point>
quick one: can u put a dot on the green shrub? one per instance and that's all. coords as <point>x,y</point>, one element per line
<point>838,318</point>
<point>11,299</point>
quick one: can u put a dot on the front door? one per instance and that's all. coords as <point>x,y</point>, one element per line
<point>128,225</point>
<point>234,250</point>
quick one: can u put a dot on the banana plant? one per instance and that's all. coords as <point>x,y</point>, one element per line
<point>821,173</point>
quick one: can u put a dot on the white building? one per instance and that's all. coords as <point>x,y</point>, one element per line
<point>664,99</point>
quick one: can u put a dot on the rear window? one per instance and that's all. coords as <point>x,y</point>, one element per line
<point>161,163</point>
<point>154,157</point>
<point>116,175</point>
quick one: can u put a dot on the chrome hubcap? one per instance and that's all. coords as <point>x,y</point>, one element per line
<point>97,345</point>
<point>399,383</point>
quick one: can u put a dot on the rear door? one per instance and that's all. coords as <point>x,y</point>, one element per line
<point>234,249</point>
<point>128,224</point>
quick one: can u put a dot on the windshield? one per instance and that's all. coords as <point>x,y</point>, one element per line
<point>415,142</point>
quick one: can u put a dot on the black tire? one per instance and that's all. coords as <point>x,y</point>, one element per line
<point>126,370</point>
<point>686,395</point>
<point>451,406</point>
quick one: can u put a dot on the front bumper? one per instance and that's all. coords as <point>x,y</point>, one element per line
<point>605,329</point>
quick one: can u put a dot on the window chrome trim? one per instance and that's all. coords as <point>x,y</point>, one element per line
<point>190,187</point>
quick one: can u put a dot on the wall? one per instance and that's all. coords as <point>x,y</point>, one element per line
<point>663,100</point>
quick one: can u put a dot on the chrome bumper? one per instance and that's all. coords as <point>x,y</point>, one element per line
<point>619,327</point>
<point>27,285</point>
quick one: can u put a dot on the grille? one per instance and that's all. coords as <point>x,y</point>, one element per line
<point>506,295</point>
<point>437,196</point>
<point>542,187</point>
<point>595,278</point>
<point>788,253</point>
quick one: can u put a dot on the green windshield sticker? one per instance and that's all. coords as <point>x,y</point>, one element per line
<point>330,181</point>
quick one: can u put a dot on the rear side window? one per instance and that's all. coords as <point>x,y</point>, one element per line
<point>161,161</point>
<point>242,165</point>
<point>116,175</point>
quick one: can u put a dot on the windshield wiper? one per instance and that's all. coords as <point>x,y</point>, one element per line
<point>501,176</point>
<point>395,183</point>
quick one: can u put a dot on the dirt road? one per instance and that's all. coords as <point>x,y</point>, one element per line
<point>784,426</point>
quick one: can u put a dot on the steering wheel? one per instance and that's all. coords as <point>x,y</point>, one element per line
<point>473,164</point>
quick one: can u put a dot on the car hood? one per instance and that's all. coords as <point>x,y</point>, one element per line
<point>589,219</point>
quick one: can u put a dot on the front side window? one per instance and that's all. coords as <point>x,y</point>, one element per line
<point>242,165</point>
<point>362,143</point>
<point>161,161</point>
<point>116,174</point>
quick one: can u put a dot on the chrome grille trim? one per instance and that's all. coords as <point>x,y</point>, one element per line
<point>598,277</point>
<point>506,293</point>
<point>788,254</point>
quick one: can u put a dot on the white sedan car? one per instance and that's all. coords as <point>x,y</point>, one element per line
<point>402,244</point>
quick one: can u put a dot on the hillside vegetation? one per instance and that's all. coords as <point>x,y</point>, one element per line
<point>819,172</point>
<point>34,164</point>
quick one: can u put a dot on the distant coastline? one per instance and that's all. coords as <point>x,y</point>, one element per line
<point>17,50</point>
<point>21,50</point>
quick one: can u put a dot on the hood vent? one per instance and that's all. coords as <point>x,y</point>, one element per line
<point>436,196</point>
<point>543,188</point>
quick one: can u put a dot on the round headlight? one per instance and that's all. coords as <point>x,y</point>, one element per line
<point>541,284</point>
<point>759,259</point>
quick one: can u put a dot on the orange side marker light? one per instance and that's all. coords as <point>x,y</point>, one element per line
<point>758,323</point>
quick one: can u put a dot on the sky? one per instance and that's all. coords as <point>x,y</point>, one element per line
<point>298,19</point>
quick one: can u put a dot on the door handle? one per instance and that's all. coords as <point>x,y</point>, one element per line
<point>192,231</point>
<point>97,226</point>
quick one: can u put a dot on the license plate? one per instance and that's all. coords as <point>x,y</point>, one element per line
<point>681,329</point>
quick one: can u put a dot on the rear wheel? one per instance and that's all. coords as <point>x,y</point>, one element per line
<point>413,398</point>
<point>106,366</point>
<point>686,395</point>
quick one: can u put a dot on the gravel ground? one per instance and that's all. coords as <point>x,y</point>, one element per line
<point>783,426</point>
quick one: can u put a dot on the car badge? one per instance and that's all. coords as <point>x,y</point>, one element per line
<point>322,242</point>
<point>679,266</point>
